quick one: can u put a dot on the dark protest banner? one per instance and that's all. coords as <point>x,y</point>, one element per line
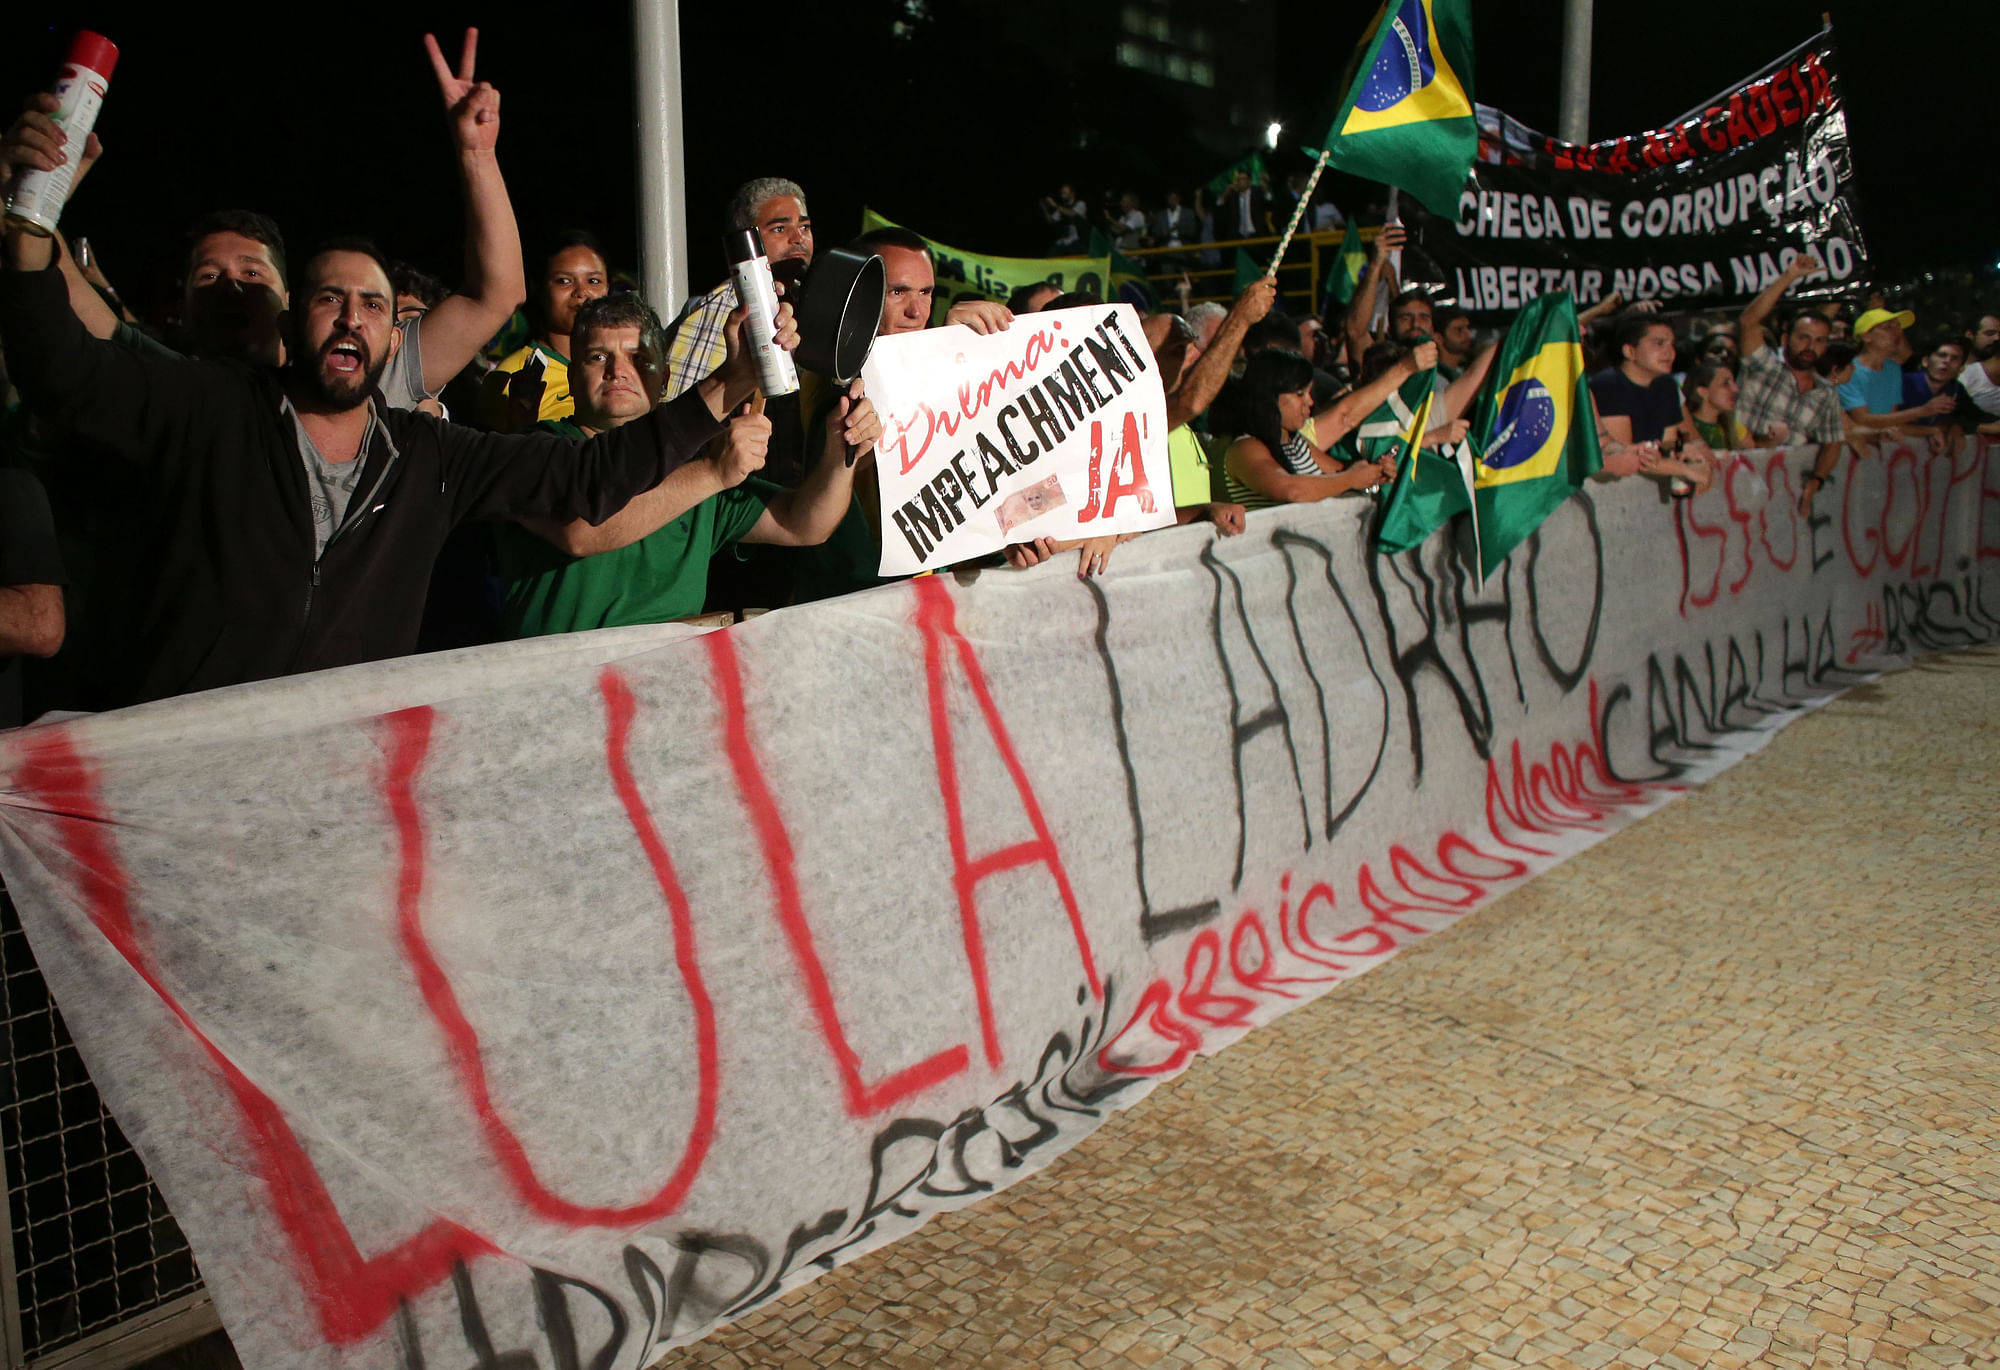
<point>1703,212</point>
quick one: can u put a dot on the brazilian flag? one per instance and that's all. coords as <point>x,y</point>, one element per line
<point>1222,180</point>
<point>1534,427</point>
<point>1429,487</point>
<point>1407,119</point>
<point>1127,279</point>
<point>1348,265</point>
<point>1248,271</point>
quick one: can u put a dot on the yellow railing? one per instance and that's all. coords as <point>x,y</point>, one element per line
<point>1300,275</point>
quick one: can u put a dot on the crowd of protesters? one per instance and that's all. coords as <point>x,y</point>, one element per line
<point>332,462</point>
<point>1238,205</point>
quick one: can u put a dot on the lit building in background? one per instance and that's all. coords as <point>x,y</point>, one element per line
<point>1213,56</point>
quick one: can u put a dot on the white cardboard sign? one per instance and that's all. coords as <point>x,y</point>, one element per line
<point>1055,427</point>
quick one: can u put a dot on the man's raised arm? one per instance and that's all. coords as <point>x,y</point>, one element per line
<point>1361,310</point>
<point>495,282</point>
<point>1459,394</point>
<point>1198,389</point>
<point>103,392</point>
<point>1749,330</point>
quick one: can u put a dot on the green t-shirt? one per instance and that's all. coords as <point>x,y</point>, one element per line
<point>661,577</point>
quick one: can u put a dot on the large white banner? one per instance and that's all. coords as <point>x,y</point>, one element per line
<point>1055,427</point>
<point>548,1005</point>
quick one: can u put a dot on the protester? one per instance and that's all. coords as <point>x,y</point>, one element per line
<point>776,208</point>
<point>1873,397</point>
<point>1708,397</point>
<point>1836,363</point>
<point>1783,399</point>
<point>851,558</point>
<point>1939,373</point>
<point>1032,297</point>
<point>417,293</point>
<point>1177,225</point>
<point>1126,225</point>
<point>1719,344</point>
<point>31,584</point>
<point>1326,215</point>
<point>1066,217</point>
<point>912,287</point>
<point>649,562</point>
<point>1243,211</point>
<point>1639,409</point>
<point>1981,377</point>
<point>235,288</point>
<point>1984,334</point>
<point>1452,326</point>
<point>1273,462</point>
<point>1636,398</point>
<point>1204,318</point>
<point>1379,274</point>
<point>531,384</point>
<point>1204,210</point>
<point>317,567</point>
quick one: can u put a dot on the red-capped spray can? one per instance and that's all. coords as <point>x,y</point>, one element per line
<point>38,196</point>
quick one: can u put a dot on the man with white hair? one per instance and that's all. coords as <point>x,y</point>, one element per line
<point>776,208</point>
<point>1204,319</point>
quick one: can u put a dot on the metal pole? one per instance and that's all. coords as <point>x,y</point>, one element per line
<point>1573,123</point>
<point>656,71</point>
<point>1298,214</point>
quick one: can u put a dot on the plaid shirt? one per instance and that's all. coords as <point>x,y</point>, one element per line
<point>695,345</point>
<point>1771,396</point>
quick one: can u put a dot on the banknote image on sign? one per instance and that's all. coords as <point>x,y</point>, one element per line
<point>1055,427</point>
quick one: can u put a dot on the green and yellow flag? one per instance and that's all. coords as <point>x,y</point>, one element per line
<point>1248,271</point>
<point>1407,119</point>
<point>1534,427</point>
<point>961,274</point>
<point>1222,180</point>
<point>1348,265</point>
<point>1429,486</point>
<point>1125,276</point>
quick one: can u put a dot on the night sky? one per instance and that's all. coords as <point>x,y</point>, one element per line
<point>338,128</point>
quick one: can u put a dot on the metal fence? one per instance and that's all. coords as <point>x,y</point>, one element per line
<point>96,1272</point>
<point>1210,268</point>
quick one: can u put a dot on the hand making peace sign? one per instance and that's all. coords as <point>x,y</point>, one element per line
<point>473,106</point>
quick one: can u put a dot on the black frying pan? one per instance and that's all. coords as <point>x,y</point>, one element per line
<point>839,309</point>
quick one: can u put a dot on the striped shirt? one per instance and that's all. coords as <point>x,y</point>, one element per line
<point>1295,456</point>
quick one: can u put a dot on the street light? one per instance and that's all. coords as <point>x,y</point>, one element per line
<point>1271,132</point>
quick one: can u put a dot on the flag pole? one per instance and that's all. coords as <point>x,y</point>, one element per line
<point>1392,215</point>
<point>1305,198</point>
<point>656,70</point>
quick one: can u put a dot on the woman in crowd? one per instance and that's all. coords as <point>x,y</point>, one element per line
<point>1709,406</point>
<point>531,385</point>
<point>1273,462</point>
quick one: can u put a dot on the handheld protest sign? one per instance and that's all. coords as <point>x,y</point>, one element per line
<point>1055,427</point>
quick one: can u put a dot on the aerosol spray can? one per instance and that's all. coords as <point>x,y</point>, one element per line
<point>751,270</point>
<point>38,196</point>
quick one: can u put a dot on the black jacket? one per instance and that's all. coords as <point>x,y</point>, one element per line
<point>235,592</point>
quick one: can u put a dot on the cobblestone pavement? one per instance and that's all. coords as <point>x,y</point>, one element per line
<point>1722,1091</point>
